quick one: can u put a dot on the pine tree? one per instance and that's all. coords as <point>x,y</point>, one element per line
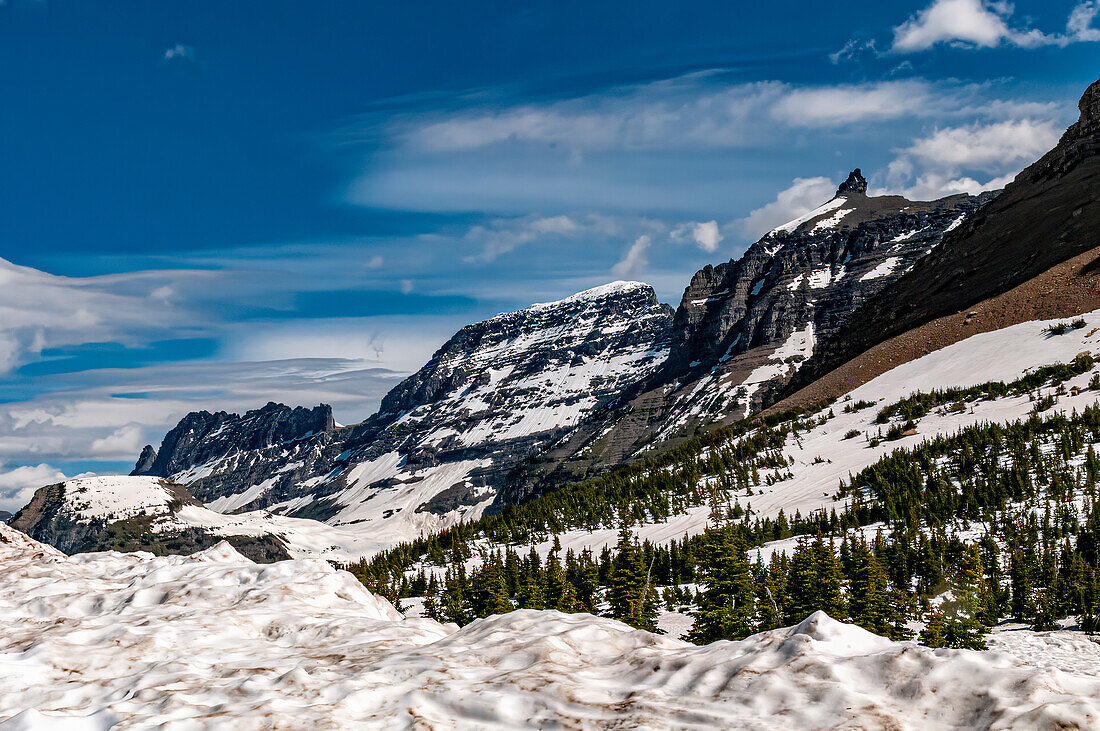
<point>934,634</point>
<point>488,592</point>
<point>628,596</point>
<point>728,604</point>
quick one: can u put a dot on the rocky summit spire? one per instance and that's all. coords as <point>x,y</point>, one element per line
<point>854,185</point>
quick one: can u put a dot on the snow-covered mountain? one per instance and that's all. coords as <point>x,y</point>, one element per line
<point>114,640</point>
<point>743,328</point>
<point>445,439</point>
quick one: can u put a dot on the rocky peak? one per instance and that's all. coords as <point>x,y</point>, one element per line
<point>854,185</point>
<point>201,435</point>
<point>447,438</point>
<point>145,461</point>
<point>598,322</point>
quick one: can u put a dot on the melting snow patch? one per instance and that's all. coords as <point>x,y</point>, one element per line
<point>882,270</point>
<point>832,220</point>
<point>819,211</point>
<point>138,641</point>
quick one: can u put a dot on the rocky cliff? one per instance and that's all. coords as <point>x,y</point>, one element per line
<point>1049,214</point>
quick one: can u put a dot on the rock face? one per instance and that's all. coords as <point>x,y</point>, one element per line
<point>201,436</point>
<point>1050,213</point>
<point>799,283</point>
<point>526,401</point>
<point>445,439</point>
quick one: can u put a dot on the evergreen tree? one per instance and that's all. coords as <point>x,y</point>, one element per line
<point>628,596</point>
<point>728,603</point>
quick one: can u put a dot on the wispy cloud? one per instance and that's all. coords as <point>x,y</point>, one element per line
<point>634,261</point>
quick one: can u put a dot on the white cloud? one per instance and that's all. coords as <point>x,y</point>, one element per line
<point>374,262</point>
<point>982,24</point>
<point>947,161</point>
<point>122,443</point>
<point>40,310</point>
<point>852,50</point>
<point>634,261</point>
<point>179,52</point>
<point>18,485</point>
<point>845,104</point>
<point>697,111</point>
<point>406,286</point>
<point>704,234</point>
<point>1079,26</point>
<point>985,147</point>
<point>803,195</point>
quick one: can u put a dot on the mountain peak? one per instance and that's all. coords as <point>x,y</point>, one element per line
<point>856,184</point>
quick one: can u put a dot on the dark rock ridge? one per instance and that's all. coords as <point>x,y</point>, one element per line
<point>1047,215</point>
<point>854,185</point>
<point>496,393</point>
<point>201,436</point>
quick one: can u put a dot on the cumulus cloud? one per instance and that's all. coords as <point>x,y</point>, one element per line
<point>122,443</point>
<point>982,24</point>
<point>634,261</point>
<point>1079,26</point>
<point>803,195</point>
<point>17,485</point>
<point>704,234</point>
<point>949,160</point>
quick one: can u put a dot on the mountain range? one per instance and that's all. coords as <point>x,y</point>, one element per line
<point>524,403</point>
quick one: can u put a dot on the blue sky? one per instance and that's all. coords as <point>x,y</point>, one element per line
<point>216,204</point>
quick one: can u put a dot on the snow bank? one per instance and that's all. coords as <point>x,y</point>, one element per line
<point>132,640</point>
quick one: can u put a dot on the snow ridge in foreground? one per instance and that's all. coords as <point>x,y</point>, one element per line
<point>132,640</point>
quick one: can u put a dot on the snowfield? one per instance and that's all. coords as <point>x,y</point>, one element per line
<point>212,640</point>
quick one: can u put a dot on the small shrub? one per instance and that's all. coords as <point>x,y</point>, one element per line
<point>1059,328</point>
<point>1078,323</point>
<point>853,433</point>
<point>857,405</point>
<point>1094,382</point>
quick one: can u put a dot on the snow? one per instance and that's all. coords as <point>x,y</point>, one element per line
<point>999,355</point>
<point>799,344</point>
<point>886,267</point>
<point>132,641</point>
<point>589,294</point>
<point>114,497</point>
<point>819,211</point>
<point>956,223</point>
<point>832,221</point>
<point>820,278</point>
